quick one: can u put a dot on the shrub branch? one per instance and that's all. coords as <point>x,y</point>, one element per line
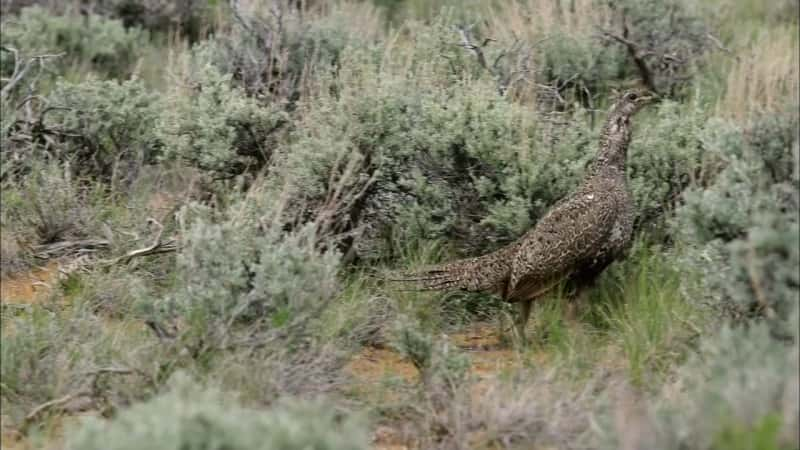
<point>637,54</point>
<point>20,71</point>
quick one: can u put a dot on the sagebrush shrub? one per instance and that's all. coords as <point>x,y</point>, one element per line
<point>437,360</point>
<point>742,230</point>
<point>98,125</point>
<point>193,18</point>
<point>446,156</point>
<point>270,56</point>
<point>103,129</point>
<point>665,156</point>
<point>106,126</point>
<point>48,206</point>
<point>435,152</point>
<point>189,417</point>
<point>49,354</point>
<point>739,391</point>
<point>92,42</point>
<point>580,67</point>
<point>238,283</point>
<point>213,125</point>
<point>564,56</point>
<point>670,38</point>
<point>239,88</point>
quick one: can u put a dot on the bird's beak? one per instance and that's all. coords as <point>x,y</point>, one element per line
<point>649,97</point>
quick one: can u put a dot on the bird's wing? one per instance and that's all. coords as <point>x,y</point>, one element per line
<point>570,235</point>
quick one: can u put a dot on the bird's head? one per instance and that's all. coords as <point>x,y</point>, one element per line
<point>630,102</point>
<point>616,134</point>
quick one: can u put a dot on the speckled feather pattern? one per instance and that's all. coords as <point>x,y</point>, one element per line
<point>579,236</point>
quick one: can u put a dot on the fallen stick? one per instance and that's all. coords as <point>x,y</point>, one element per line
<point>44,407</point>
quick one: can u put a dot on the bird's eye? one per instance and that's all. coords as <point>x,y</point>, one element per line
<point>632,96</point>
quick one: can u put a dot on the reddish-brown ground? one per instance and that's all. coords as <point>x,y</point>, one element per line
<point>489,356</point>
<point>372,365</point>
<point>25,288</point>
<point>28,287</point>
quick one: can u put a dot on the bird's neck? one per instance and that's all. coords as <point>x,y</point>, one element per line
<point>614,140</point>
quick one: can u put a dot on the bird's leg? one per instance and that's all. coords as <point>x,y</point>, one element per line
<point>522,320</point>
<point>575,304</point>
<point>579,299</point>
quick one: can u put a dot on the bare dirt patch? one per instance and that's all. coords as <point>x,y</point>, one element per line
<point>28,287</point>
<point>51,435</point>
<point>490,357</point>
<point>387,438</point>
<point>372,365</point>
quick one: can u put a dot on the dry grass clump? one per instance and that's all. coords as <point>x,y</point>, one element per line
<point>532,20</point>
<point>11,255</point>
<point>765,77</point>
<point>532,409</point>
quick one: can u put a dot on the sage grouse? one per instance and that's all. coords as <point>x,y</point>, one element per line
<point>581,235</point>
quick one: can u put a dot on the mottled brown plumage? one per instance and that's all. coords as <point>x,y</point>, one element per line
<point>580,235</point>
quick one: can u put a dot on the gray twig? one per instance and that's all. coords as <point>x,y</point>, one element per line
<point>20,73</point>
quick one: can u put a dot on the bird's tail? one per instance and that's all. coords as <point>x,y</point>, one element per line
<point>487,273</point>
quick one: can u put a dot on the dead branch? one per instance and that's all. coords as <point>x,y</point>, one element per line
<point>58,249</point>
<point>268,33</point>
<point>30,98</point>
<point>477,50</point>
<point>89,390</point>
<point>112,370</point>
<point>158,246</point>
<point>52,108</point>
<point>503,78</point>
<point>36,412</point>
<point>84,249</point>
<point>717,43</point>
<point>625,41</point>
<point>21,71</point>
<point>637,52</point>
